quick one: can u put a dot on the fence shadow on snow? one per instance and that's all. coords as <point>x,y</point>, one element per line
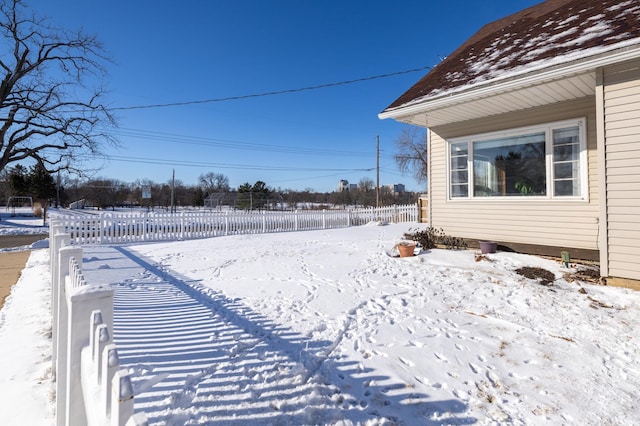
<point>196,354</point>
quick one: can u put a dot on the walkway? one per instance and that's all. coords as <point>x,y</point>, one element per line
<point>11,265</point>
<point>12,262</point>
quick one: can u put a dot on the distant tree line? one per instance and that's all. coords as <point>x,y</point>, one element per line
<point>35,182</point>
<point>105,193</point>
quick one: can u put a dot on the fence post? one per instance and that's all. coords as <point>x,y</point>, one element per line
<point>264,222</point>
<point>59,240</point>
<point>182,226</point>
<point>324,219</point>
<point>82,301</point>
<point>54,246</point>
<point>59,331</point>
<point>144,219</point>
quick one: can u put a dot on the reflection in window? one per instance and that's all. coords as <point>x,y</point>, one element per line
<point>510,166</point>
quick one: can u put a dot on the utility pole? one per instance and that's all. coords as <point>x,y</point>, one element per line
<point>173,185</point>
<point>377,170</point>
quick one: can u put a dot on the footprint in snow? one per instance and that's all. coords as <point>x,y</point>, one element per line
<point>460,394</point>
<point>495,381</point>
<point>440,356</point>
<point>422,380</point>
<point>407,362</point>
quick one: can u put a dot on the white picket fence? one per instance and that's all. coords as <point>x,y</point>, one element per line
<point>91,389</point>
<point>111,228</point>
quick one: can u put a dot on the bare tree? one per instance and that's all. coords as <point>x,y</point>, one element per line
<point>412,152</point>
<point>213,182</point>
<point>50,110</point>
<point>366,184</point>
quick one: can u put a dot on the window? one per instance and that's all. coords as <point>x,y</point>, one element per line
<point>544,161</point>
<point>566,161</point>
<point>459,170</point>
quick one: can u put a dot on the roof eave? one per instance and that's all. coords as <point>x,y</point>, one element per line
<point>495,86</point>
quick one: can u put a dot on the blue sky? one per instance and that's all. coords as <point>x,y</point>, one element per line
<point>169,52</point>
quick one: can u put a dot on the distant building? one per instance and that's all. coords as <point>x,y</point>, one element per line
<point>344,185</point>
<point>396,188</point>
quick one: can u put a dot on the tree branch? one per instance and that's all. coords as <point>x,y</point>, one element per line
<point>41,117</point>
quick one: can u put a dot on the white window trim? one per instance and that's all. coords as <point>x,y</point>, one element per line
<point>547,128</point>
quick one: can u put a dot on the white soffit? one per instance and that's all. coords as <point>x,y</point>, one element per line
<point>543,93</point>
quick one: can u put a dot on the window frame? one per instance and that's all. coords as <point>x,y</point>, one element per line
<point>547,129</point>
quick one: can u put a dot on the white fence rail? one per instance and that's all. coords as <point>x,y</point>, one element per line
<point>90,387</point>
<point>110,228</point>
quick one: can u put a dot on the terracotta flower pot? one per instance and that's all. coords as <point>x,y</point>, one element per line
<point>406,249</point>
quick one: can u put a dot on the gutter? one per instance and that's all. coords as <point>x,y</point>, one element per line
<point>494,87</point>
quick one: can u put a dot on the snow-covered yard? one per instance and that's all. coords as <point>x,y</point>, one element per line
<point>324,327</point>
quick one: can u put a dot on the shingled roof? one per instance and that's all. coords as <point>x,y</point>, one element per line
<point>548,34</point>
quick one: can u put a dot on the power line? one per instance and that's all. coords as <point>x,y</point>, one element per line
<point>278,92</point>
<point>174,162</point>
<point>234,144</point>
<point>226,143</point>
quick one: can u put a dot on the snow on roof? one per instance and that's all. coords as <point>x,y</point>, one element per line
<point>548,34</point>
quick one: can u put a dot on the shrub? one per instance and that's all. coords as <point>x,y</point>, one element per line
<point>432,237</point>
<point>37,209</point>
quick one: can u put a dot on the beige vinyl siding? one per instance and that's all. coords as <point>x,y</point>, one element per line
<point>549,222</point>
<point>622,158</point>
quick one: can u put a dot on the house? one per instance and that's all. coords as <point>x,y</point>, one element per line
<point>534,133</point>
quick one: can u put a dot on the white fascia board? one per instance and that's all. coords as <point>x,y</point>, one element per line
<point>495,86</point>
